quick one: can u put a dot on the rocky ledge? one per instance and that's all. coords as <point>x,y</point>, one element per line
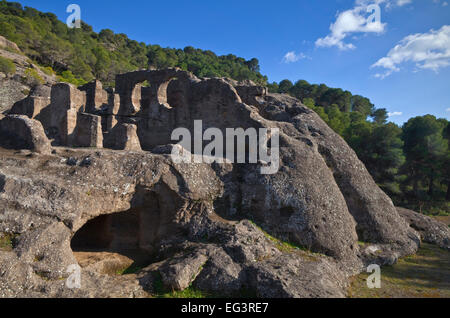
<point>86,179</point>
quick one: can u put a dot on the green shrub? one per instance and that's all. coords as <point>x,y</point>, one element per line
<point>12,50</point>
<point>7,66</point>
<point>48,70</point>
<point>32,75</point>
<point>68,77</point>
<point>7,241</point>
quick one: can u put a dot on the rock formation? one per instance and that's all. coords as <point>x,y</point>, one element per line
<point>430,230</point>
<point>186,224</point>
<point>15,87</point>
<point>21,132</point>
<point>5,43</point>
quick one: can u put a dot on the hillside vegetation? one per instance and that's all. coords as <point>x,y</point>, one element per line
<point>411,163</point>
<point>88,55</point>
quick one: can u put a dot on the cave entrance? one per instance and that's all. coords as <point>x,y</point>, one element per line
<point>118,241</point>
<point>128,238</point>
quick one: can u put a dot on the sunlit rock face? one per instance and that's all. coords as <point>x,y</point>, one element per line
<point>108,195</point>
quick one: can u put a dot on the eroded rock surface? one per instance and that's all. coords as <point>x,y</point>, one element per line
<point>21,132</point>
<point>431,231</point>
<point>188,224</point>
<point>15,87</point>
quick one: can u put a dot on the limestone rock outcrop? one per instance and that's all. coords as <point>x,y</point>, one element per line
<point>430,230</point>
<point>16,87</point>
<point>6,44</point>
<point>188,223</point>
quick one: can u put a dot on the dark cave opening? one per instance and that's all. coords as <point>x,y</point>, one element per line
<point>117,234</point>
<point>135,234</point>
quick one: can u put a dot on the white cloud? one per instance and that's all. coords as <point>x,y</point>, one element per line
<point>448,110</point>
<point>403,2</point>
<point>360,19</point>
<point>397,3</point>
<point>292,57</point>
<point>393,114</point>
<point>444,3</point>
<point>427,50</point>
<point>366,3</point>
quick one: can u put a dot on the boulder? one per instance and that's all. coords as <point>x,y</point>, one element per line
<point>221,275</point>
<point>180,272</point>
<point>21,132</point>
<point>6,44</point>
<point>293,277</point>
<point>431,231</point>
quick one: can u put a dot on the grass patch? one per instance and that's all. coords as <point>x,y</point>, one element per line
<point>43,275</point>
<point>7,241</point>
<point>424,275</point>
<point>10,49</point>
<point>285,247</point>
<point>32,75</point>
<point>133,269</point>
<point>443,219</point>
<point>7,66</point>
<point>189,293</point>
<point>47,70</point>
<point>160,291</point>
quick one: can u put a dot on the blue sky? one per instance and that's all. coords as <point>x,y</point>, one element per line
<point>400,61</point>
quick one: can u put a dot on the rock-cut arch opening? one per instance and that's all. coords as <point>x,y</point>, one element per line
<point>162,94</point>
<point>127,238</point>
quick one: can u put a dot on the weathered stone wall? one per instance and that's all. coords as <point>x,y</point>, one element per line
<point>96,96</point>
<point>173,99</point>
<point>88,131</point>
<point>176,99</point>
<point>31,106</point>
<point>123,137</point>
<point>58,122</point>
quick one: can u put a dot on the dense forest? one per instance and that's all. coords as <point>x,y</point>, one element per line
<point>411,163</point>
